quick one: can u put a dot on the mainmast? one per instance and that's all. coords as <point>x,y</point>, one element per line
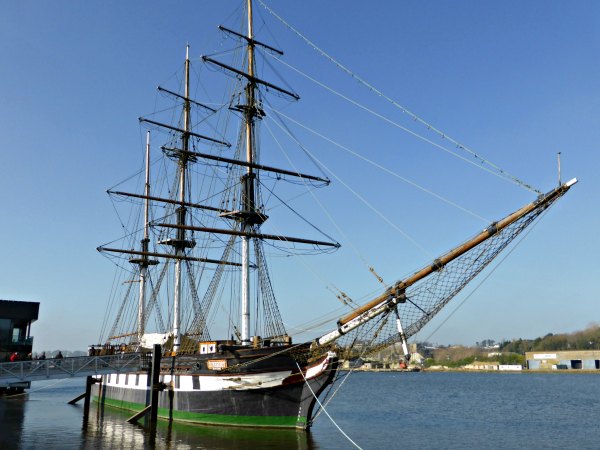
<point>250,216</point>
<point>181,243</point>
<point>145,241</point>
<point>248,183</point>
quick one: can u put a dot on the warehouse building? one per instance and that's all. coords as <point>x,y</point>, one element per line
<point>563,360</point>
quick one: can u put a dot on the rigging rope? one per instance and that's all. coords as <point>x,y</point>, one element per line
<point>426,297</point>
<point>356,194</point>
<point>329,216</point>
<point>377,165</point>
<point>391,122</point>
<point>403,109</point>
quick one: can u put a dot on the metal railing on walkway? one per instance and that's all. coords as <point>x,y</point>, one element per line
<point>80,366</point>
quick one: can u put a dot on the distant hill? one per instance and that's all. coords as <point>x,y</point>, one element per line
<point>588,339</point>
<point>510,352</point>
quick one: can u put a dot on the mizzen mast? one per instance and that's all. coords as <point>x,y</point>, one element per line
<point>144,260</point>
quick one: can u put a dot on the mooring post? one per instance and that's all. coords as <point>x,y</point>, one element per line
<point>156,355</point>
<point>86,395</point>
<point>89,381</point>
<point>155,386</point>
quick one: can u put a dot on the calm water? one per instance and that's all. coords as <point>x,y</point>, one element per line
<point>377,410</point>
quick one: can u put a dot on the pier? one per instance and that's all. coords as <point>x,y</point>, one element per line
<point>21,373</point>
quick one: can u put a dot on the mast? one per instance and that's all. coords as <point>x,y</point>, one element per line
<point>180,243</point>
<point>145,241</point>
<point>143,261</point>
<point>248,184</point>
<point>249,216</point>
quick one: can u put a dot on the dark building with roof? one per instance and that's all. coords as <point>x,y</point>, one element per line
<point>15,328</point>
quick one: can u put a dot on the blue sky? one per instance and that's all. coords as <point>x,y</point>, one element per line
<point>515,81</point>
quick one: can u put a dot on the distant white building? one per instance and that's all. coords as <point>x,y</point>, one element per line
<point>416,359</point>
<point>482,365</point>
<point>510,367</point>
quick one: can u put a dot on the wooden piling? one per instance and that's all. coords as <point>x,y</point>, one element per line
<point>155,387</point>
<point>156,355</point>
<point>89,381</point>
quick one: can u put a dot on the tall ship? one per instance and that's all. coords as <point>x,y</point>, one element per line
<point>195,263</point>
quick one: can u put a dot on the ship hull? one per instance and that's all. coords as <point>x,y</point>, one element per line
<point>277,399</point>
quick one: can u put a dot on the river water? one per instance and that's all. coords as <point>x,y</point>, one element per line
<point>376,410</point>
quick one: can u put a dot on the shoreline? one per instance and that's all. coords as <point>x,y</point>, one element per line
<point>449,369</point>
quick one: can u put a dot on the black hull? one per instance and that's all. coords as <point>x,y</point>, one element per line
<point>288,405</point>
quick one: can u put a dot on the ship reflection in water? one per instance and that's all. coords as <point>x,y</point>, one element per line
<point>111,429</point>
<point>43,419</point>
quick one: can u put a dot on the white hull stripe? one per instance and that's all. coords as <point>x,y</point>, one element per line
<point>213,382</point>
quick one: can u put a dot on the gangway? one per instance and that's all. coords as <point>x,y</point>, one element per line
<point>17,373</point>
<point>20,374</point>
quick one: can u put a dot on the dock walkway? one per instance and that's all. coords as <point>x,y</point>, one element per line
<point>16,373</point>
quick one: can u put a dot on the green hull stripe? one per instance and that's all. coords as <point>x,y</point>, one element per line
<point>215,419</point>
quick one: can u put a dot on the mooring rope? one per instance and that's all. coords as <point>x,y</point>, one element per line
<point>37,390</point>
<point>328,400</point>
<point>324,410</point>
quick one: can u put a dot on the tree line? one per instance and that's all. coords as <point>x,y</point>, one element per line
<point>588,339</point>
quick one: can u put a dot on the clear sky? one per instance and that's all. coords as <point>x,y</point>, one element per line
<point>515,81</point>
